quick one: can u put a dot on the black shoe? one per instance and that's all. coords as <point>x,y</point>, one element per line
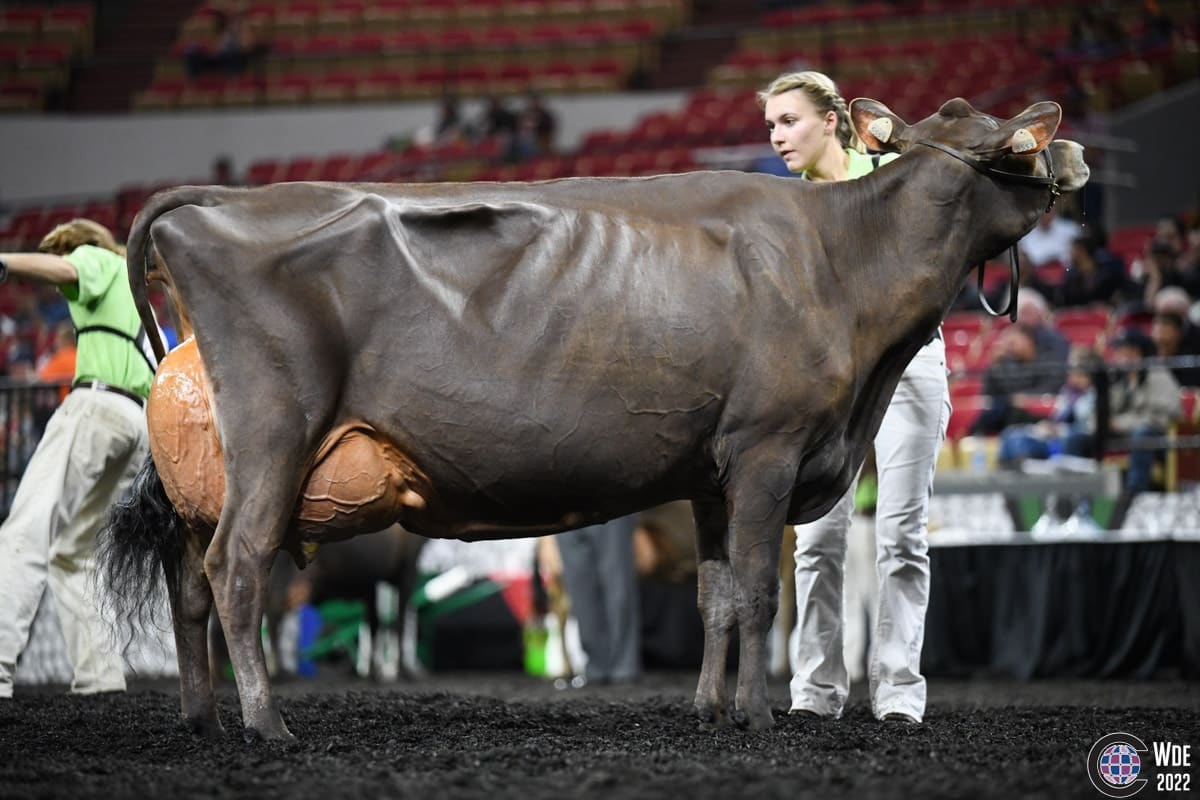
<point>899,718</point>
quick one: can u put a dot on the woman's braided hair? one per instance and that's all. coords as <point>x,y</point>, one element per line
<point>66,237</point>
<point>824,94</point>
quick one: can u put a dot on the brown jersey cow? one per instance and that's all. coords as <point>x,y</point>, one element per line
<point>515,359</point>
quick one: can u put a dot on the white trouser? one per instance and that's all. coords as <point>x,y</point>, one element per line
<point>92,448</point>
<point>906,450</point>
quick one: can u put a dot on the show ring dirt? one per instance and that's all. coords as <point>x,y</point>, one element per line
<point>504,735</point>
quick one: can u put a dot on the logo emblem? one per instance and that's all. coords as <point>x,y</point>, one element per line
<point>1115,763</point>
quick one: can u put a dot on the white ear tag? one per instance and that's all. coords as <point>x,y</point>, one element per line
<point>1023,141</point>
<point>880,128</point>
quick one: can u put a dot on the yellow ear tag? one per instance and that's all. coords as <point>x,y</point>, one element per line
<point>1023,141</point>
<point>881,128</point>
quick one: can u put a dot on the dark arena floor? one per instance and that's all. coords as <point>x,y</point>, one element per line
<point>499,735</point>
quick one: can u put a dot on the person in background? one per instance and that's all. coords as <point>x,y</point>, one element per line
<point>92,447</point>
<point>1029,358</point>
<point>449,126</point>
<point>222,172</point>
<point>810,130</point>
<point>495,120</point>
<point>1168,331</point>
<point>1050,240</point>
<point>1143,403</point>
<point>600,578</point>
<point>543,123</point>
<point>1096,275</point>
<point>1173,300</point>
<point>59,363</point>
<point>1068,428</point>
<point>1166,262</point>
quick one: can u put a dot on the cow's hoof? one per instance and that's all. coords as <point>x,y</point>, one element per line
<point>280,734</point>
<point>712,718</point>
<point>209,727</point>
<point>754,721</point>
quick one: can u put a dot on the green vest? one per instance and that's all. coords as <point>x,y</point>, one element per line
<point>101,297</point>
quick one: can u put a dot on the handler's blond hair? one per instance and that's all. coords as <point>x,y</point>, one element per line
<point>66,237</point>
<point>824,94</point>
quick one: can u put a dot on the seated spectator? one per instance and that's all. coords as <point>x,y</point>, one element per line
<point>1168,331</point>
<point>1096,275</point>
<point>222,172</point>
<point>1166,262</point>
<point>449,126</point>
<point>1177,301</point>
<point>1008,381</point>
<point>537,129</point>
<point>1143,402</point>
<point>496,119</point>
<point>59,363</point>
<point>1050,240</point>
<point>1029,358</point>
<point>1069,427</point>
<point>233,45</point>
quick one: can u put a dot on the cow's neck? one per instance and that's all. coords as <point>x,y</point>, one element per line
<point>898,256</point>
<point>908,237</point>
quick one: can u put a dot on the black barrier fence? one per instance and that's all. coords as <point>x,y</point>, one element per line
<point>25,408</point>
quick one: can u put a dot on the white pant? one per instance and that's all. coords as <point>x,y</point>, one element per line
<point>93,446</point>
<point>906,450</point>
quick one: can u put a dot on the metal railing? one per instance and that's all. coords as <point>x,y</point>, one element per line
<point>25,408</point>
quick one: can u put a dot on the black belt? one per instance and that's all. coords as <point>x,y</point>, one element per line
<point>108,387</point>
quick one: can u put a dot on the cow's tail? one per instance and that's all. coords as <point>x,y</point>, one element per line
<point>138,251</point>
<point>142,541</point>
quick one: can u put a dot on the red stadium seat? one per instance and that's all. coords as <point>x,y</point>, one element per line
<point>104,213</point>
<point>599,163</point>
<point>333,168</point>
<point>263,172</point>
<point>675,159</point>
<point>299,169</point>
<point>1052,273</point>
<point>602,74</point>
<point>964,412</point>
<point>966,386</point>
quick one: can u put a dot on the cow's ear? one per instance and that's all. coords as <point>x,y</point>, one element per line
<point>877,126</point>
<point>1031,130</point>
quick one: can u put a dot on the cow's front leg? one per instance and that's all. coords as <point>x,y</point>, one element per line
<point>191,602</point>
<point>238,563</point>
<point>758,492</point>
<point>717,610</point>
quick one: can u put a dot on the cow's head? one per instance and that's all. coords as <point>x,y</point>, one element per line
<point>1007,145</point>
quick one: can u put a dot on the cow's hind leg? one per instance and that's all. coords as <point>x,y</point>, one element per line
<point>759,492</point>
<point>238,564</point>
<point>717,610</point>
<point>191,601</point>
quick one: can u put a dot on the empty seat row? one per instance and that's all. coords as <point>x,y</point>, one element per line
<point>381,85</point>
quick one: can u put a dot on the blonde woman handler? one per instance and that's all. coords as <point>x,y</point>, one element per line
<point>810,130</point>
<point>89,453</point>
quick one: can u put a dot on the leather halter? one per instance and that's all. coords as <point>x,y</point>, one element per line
<point>1048,181</point>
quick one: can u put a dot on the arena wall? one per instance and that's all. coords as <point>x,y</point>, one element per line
<point>49,157</point>
<point>1166,165</point>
